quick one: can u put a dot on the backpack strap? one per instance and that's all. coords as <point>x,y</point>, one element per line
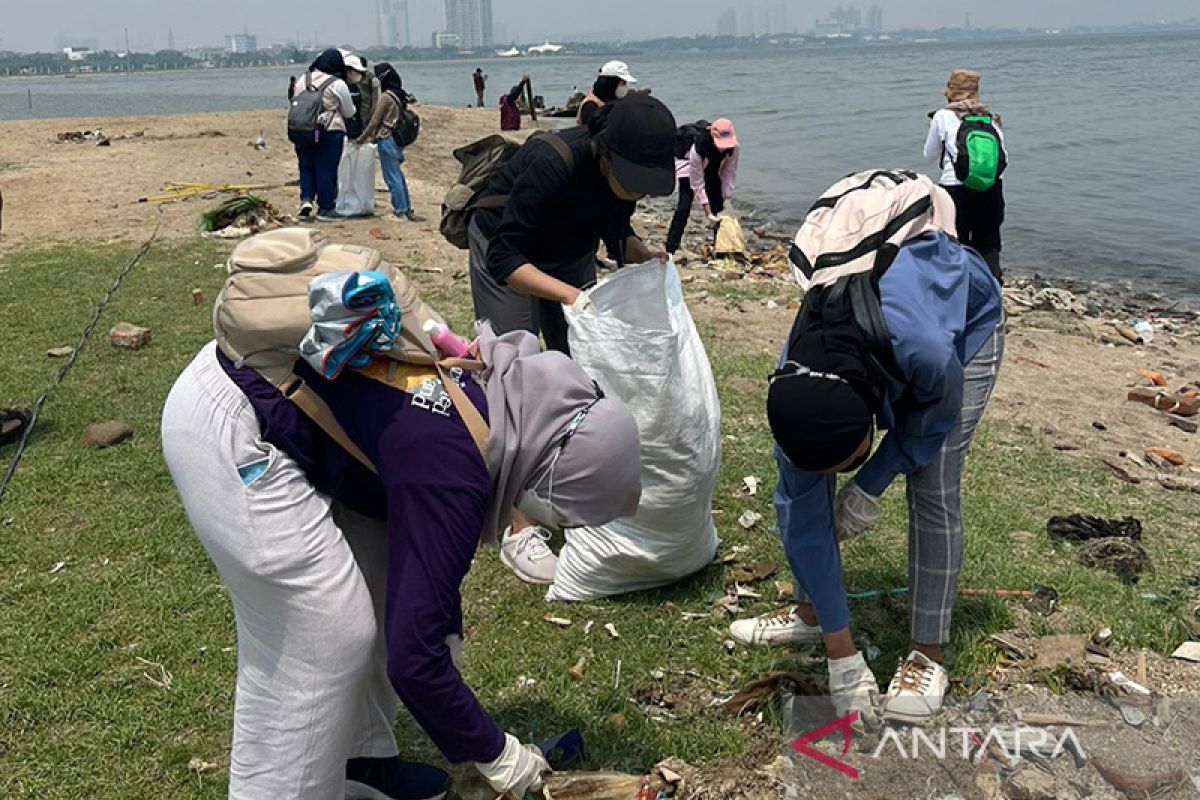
<point>556,144</point>
<point>476,426</point>
<point>315,408</point>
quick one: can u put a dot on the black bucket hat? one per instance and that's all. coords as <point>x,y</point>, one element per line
<point>640,133</point>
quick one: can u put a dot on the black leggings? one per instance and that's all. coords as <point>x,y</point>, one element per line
<point>980,216</point>
<point>684,210</point>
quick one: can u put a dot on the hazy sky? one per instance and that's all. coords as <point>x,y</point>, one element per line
<point>35,25</point>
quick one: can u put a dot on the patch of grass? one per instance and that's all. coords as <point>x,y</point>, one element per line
<point>81,716</point>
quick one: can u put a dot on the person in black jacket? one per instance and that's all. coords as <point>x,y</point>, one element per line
<point>540,219</point>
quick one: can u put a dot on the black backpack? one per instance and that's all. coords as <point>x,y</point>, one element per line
<point>305,110</point>
<point>687,135</point>
<point>408,127</point>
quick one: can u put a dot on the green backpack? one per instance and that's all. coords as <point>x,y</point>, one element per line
<point>981,160</point>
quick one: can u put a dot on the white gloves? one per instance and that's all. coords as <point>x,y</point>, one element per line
<point>852,687</point>
<point>455,643</point>
<point>582,303</point>
<point>854,512</point>
<point>517,771</point>
<point>713,220</point>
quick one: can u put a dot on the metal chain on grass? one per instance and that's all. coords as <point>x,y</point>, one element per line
<point>70,362</point>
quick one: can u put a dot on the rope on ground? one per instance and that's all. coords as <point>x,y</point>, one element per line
<point>70,362</point>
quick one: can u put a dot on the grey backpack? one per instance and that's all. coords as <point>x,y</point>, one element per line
<point>306,109</point>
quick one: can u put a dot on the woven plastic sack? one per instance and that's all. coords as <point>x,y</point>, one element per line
<point>356,181</point>
<point>640,344</point>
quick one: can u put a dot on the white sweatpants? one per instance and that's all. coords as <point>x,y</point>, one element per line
<point>306,577</point>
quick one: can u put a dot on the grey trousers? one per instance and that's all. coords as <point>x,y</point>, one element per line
<point>508,310</point>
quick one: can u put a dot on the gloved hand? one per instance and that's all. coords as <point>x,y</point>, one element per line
<point>854,512</point>
<point>455,643</point>
<point>517,772</point>
<point>714,221</point>
<point>853,687</point>
<point>582,303</point>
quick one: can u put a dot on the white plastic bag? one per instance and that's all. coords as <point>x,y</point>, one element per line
<point>640,344</point>
<point>356,181</point>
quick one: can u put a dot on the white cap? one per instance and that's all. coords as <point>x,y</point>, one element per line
<point>617,69</point>
<point>353,62</point>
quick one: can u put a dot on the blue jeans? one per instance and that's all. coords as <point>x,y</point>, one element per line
<point>391,156</point>
<point>319,168</point>
<point>804,506</point>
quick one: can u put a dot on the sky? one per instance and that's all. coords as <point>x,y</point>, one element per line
<point>27,26</point>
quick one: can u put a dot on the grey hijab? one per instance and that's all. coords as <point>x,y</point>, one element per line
<point>532,398</point>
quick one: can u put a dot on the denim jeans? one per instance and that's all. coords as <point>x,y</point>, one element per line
<point>319,168</point>
<point>391,156</point>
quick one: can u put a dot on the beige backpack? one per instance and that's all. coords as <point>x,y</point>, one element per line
<point>261,316</point>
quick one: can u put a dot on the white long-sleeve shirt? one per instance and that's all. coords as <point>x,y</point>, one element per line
<point>692,168</point>
<point>336,101</point>
<point>942,143</point>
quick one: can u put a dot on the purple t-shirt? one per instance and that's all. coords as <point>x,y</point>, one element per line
<point>434,490</point>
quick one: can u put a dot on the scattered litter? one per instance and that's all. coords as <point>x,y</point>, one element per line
<point>658,674</point>
<point>691,615</point>
<point>561,622</point>
<point>1100,426</point>
<point>759,571</point>
<point>1055,720</point>
<point>742,593</point>
<point>1172,457</point>
<point>1043,600</point>
<point>377,233</point>
<point>1030,783</point>
<point>1082,528</point>
<point>1188,651</point>
<point>1122,473</point>
<point>750,486</point>
<point>730,645</point>
<point>246,212</point>
<point>564,750</point>
<point>197,297</point>
<point>157,674</point>
<point>612,630</point>
<point>1143,329</point>
<point>1103,636</point>
<point>1183,404</point>
<point>1135,788</point>
<point>617,680</point>
<point>128,335</point>
<point>587,627</point>
<point>106,434</point>
<point>200,766</point>
<point>749,519</point>
<point>1156,378</point>
<point>1132,716</point>
<point>58,567</point>
<point>1177,484</point>
<point>981,702</point>
<point>60,352</point>
<point>524,681</point>
<point>576,671</point>
<point>1014,645</point>
<point>1059,650</point>
<point>1046,299</point>
<point>1119,679</point>
<point>1187,426</point>
<point>785,588</point>
<point>1124,558</point>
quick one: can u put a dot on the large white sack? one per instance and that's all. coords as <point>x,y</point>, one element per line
<point>356,180</point>
<point>640,344</point>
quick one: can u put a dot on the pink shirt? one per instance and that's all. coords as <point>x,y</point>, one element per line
<point>693,170</point>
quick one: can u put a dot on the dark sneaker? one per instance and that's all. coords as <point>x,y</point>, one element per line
<point>413,217</point>
<point>329,216</point>
<point>394,779</point>
<point>306,210</point>
<point>13,422</point>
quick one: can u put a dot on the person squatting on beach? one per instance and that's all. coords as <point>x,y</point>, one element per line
<point>611,85</point>
<point>980,211</point>
<point>535,232</point>
<point>706,164</point>
<point>925,377</point>
<point>319,158</point>
<point>345,582</point>
<point>393,100</point>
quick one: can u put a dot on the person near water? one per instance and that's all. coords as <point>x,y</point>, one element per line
<point>510,106</point>
<point>480,81</point>
<point>364,89</point>
<point>393,100</point>
<point>319,159</point>
<point>534,235</point>
<point>944,340</point>
<point>707,174</point>
<point>980,214</point>
<point>611,85</point>
<point>345,583</point>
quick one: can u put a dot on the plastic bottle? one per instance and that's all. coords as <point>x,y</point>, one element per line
<point>447,341</point>
<point>1144,331</point>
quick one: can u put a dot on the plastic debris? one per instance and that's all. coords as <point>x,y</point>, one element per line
<point>1188,651</point>
<point>58,567</point>
<point>1132,716</point>
<point>587,627</point>
<point>560,622</point>
<point>60,352</point>
<point>750,485</point>
<point>749,519</point>
<point>564,750</point>
<point>1082,528</point>
<point>576,672</point>
<point>612,630</point>
<point>1119,679</point>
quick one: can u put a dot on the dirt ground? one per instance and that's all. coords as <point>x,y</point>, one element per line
<point>1065,379</point>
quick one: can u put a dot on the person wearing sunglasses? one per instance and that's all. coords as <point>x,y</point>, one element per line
<point>925,379</point>
<point>346,582</point>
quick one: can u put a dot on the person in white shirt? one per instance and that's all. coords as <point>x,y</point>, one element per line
<point>980,214</point>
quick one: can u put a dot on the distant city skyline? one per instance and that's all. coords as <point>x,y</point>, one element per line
<point>154,24</point>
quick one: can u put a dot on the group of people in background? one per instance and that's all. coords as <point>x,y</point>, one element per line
<point>359,106</point>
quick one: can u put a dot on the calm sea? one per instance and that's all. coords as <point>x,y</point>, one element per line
<point>1101,131</point>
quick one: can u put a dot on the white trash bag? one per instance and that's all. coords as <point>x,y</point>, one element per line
<point>356,181</point>
<point>640,344</point>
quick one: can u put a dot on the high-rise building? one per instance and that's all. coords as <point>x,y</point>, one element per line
<point>779,19</point>
<point>471,20</point>
<point>748,18</point>
<point>241,43</point>
<point>875,20</point>
<point>392,21</point>
<point>727,23</point>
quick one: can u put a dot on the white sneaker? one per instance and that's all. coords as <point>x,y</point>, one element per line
<point>776,629</point>
<point>853,687</point>
<point>527,553</point>
<point>916,691</point>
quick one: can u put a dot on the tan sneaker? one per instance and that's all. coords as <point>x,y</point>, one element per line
<point>916,691</point>
<point>776,629</point>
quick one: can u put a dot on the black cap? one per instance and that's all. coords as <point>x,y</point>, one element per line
<point>818,420</point>
<point>641,140</point>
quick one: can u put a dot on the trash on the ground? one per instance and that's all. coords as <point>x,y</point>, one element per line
<point>1119,679</point>
<point>1177,484</point>
<point>981,702</point>
<point>58,567</point>
<point>564,750</point>
<point>1122,473</point>
<point>200,766</point>
<point>1127,333</point>
<point>1185,405</point>
<point>1188,651</point>
<point>246,212</point>
<point>128,335</point>
<point>106,434</point>
<point>1139,788</point>
<point>1157,378</point>
<point>612,630</point>
<point>1058,650</point>
<point>743,593</point>
<point>1031,298</point>
<point>1132,716</point>
<point>754,573</point>
<point>785,588</point>
<point>587,627</point>
<point>761,691</point>
<point>1103,636</point>
<point>1083,527</point>
<point>749,519</point>
<point>60,352</point>
<point>1143,329</point>
<point>1043,601</point>
<point>561,622</point>
<point>1185,425</point>
<point>1028,782</point>
<point>1167,455</point>
<point>1055,720</point>
<point>576,672</point>
<point>1125,558</point>
<point>750,485</point>
<point>1014,645</point>
<point>730,645</point>
<point>197,297</point>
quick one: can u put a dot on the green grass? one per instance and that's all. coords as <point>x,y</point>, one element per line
<point>80,715</point>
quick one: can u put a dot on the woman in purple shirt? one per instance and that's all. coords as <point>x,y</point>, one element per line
<point>345,584</point>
